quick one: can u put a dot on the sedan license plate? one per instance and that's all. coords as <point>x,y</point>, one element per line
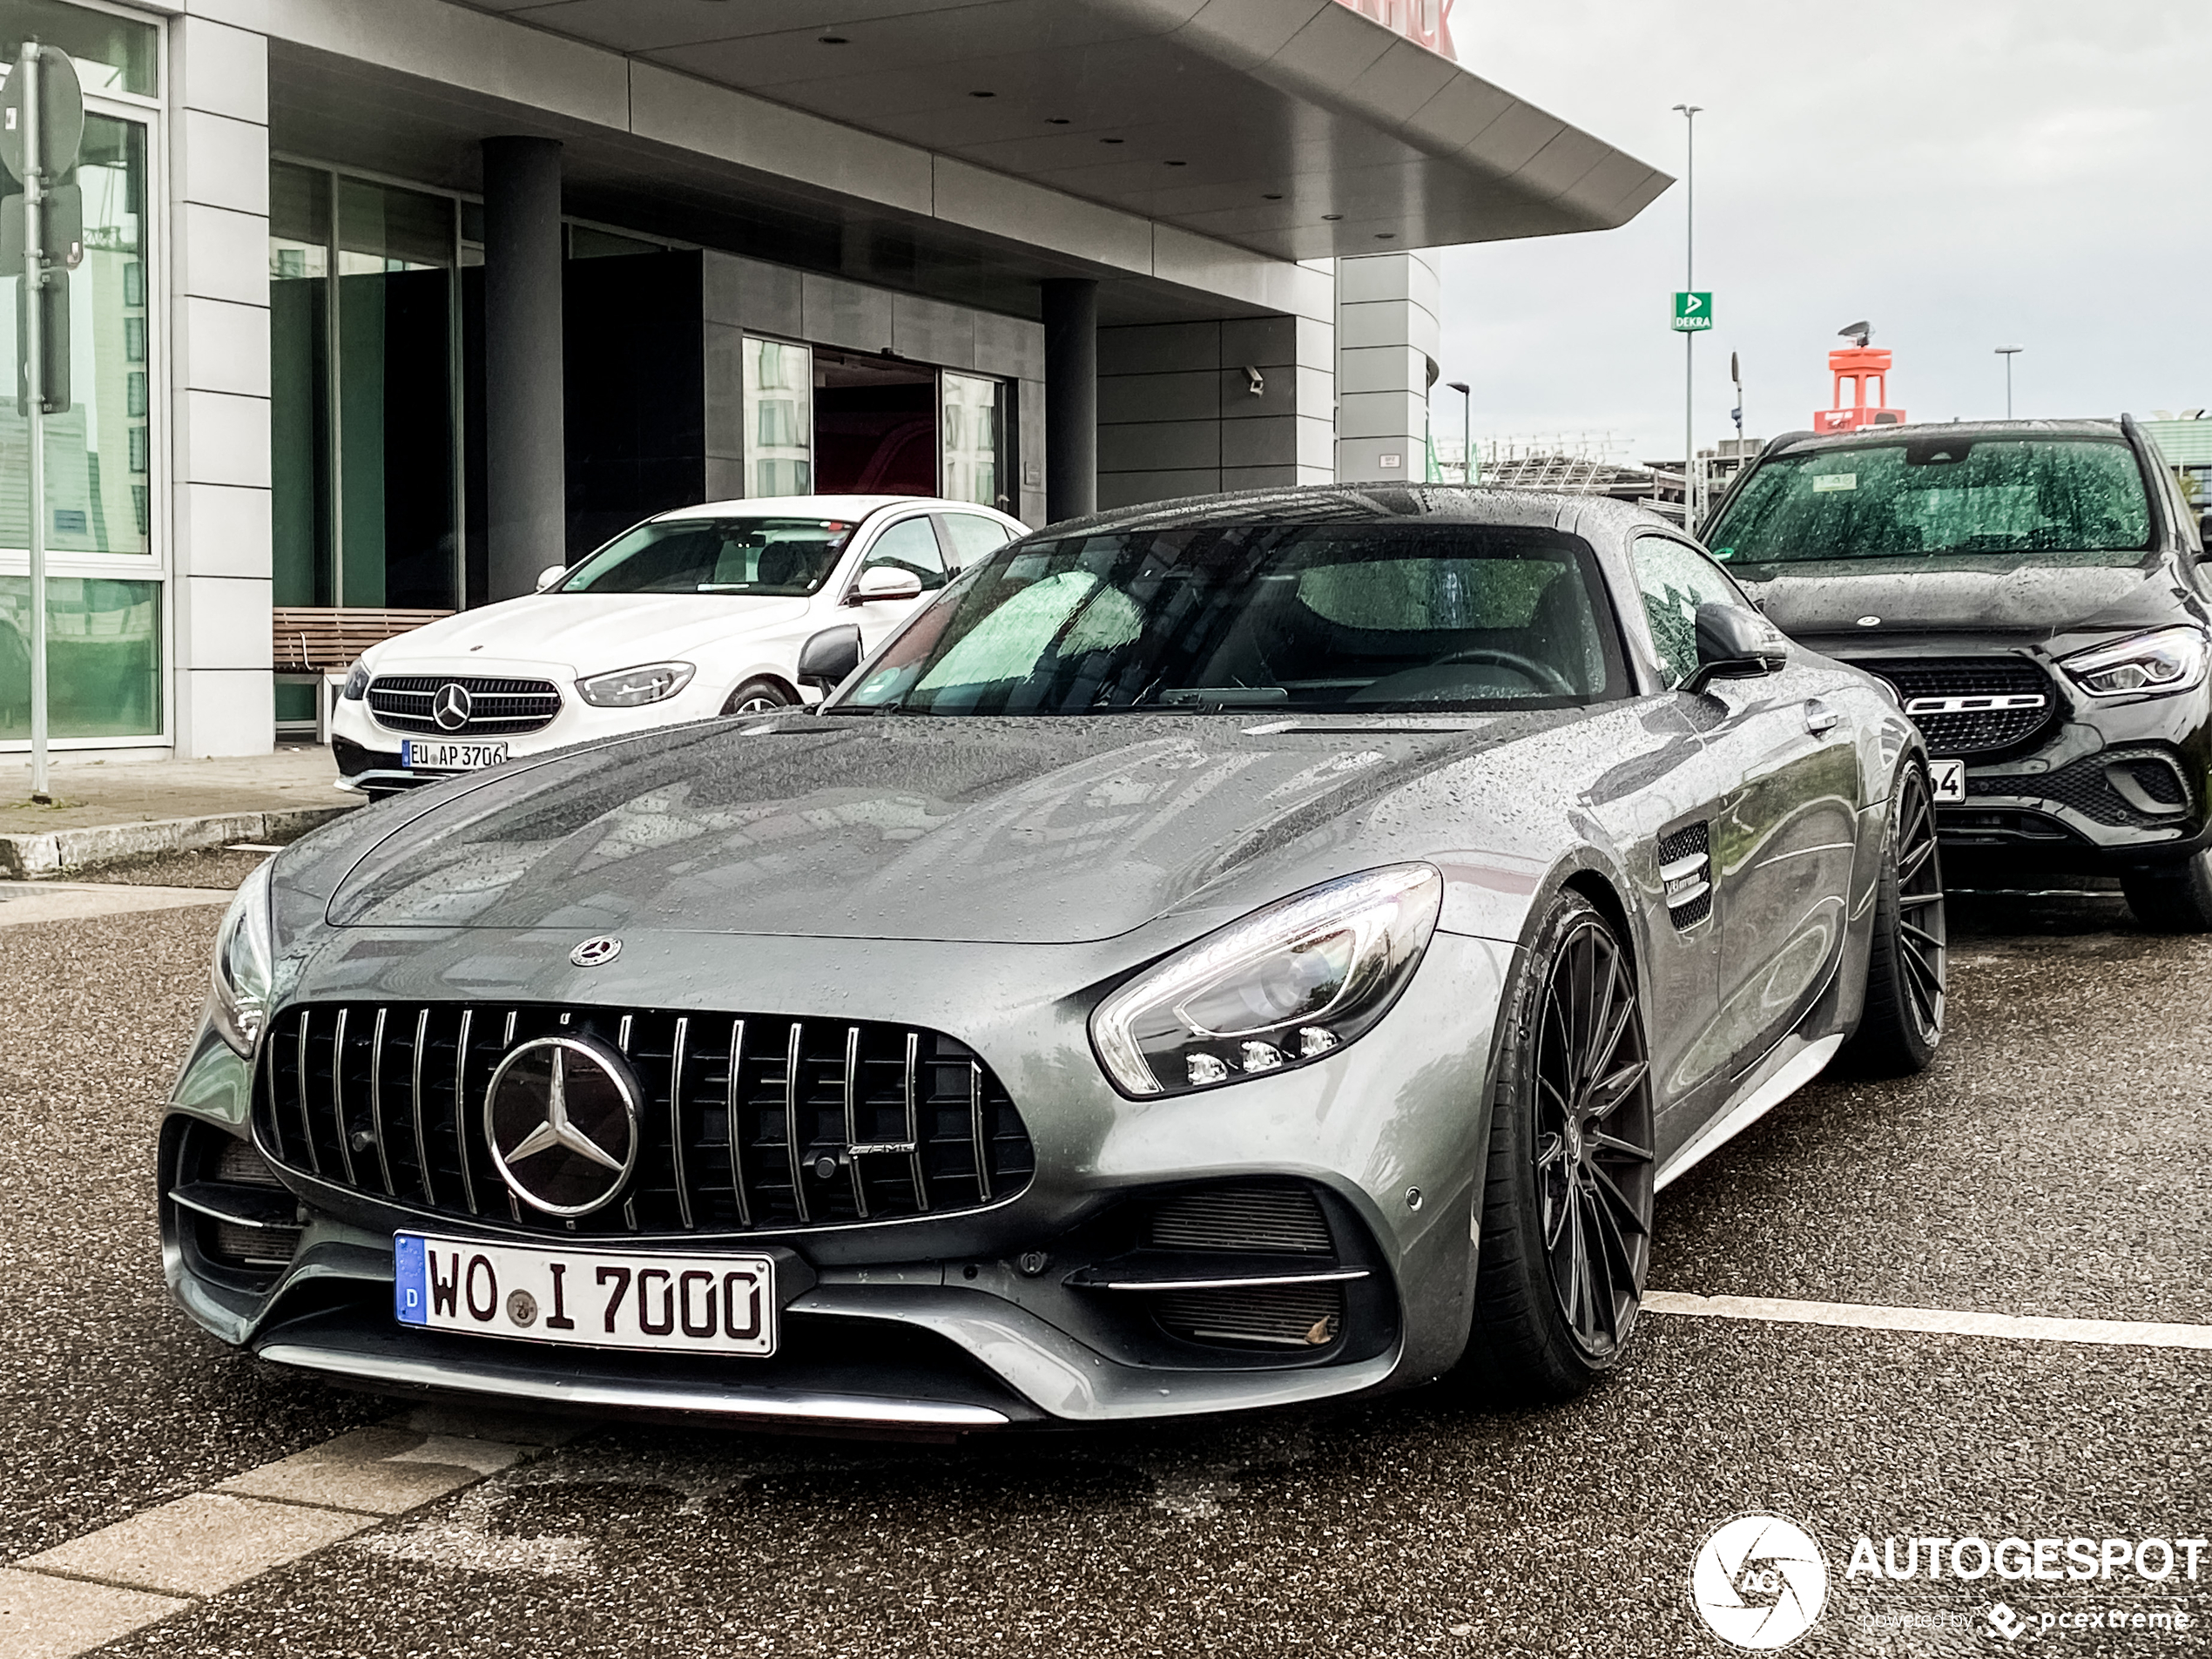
<point>450,756</point>
<point>588,1299</point>
<point>1949,778</point>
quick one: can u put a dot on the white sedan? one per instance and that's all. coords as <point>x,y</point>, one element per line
<point>694,613</point>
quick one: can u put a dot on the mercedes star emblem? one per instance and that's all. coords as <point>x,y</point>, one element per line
<point>451,707</point>
<point>561,1117</point>
<point>594,951</point>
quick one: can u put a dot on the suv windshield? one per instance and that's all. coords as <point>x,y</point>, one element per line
<point>1931,496</point>
<point>1314,617</point>
<point>791,556</point>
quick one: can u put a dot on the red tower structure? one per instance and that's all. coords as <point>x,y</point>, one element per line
<point>1862,374</point>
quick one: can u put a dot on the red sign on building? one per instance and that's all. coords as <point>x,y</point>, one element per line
<point>1428,23</point>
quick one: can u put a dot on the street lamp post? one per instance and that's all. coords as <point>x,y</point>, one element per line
<point>1466,431</point>
<point>2008,353</point>
<point>1689,113</point>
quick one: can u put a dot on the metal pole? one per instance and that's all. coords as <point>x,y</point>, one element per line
<point>34,278</point>
<point>2008,353</point>
<point>1689,337</point>
<point>1467,435</point>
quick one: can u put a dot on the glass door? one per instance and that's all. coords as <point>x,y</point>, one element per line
<point>971,439</point>
<point>778,418</point>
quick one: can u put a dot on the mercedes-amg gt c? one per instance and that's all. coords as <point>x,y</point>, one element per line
<point>1244,950</point>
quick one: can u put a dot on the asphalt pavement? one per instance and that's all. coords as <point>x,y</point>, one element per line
<point>2051,1163</point>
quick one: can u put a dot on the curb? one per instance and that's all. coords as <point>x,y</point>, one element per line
<point>32,858</point>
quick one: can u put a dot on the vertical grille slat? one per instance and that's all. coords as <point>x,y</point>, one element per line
<point>837,1123</point>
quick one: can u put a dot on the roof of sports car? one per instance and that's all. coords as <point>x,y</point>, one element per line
<point>1361,503</point>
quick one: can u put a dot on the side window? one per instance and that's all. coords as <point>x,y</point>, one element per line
<point>971,536</point>
<point>1674,580</point>
<point>910,545</point>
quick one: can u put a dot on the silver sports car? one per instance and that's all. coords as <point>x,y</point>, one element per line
<point>1243,950</point>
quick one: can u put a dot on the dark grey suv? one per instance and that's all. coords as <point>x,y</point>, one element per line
<point>2035,593</point>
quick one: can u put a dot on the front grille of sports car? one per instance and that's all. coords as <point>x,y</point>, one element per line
<point>891,1121</point>
<point>2131,788</point>
<point>1967,706</point>
<point>497,708</point>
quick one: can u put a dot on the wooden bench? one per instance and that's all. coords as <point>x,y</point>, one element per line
<point>318,643</point>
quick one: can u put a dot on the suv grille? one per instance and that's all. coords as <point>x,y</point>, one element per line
<point>388,1099</point>
<point>1970,705</point>
<point>496,707</point>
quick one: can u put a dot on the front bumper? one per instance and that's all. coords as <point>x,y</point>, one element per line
<point>938,1324</point>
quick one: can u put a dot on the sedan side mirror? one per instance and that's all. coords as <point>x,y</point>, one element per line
<point>2204,533</point>
<point>550,575</point>
<point>886,581</point>
<point>1734,644</point>
<point>830,656</point>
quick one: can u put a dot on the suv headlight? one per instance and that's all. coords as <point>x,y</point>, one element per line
<point>237,995</point>
<point>357,681</point>
<point>632,688</point>
<point>1282,987</point>
<point>2167,659</point>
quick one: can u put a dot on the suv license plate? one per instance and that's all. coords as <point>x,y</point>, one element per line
<point>450,756</point>
<point>588,1298</point>
<point>1949,778</point>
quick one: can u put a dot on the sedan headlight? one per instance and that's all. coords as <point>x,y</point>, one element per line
<point>1282,987</point>
<point>357,681</point>
<point>2167,659</point>
<point>238,996</point>
<point>632,688</point>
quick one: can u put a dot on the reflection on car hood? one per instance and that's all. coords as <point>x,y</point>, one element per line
<point>588,632</point>
<point>1006,830</point>
<point>2039,594</point>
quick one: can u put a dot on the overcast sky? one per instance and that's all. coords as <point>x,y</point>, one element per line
<point>1964,173</point>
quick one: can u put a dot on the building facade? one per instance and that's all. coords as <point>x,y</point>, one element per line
<point>387,304</point>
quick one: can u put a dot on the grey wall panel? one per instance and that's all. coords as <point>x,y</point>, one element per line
<point>721,287</point>
<point>1265,342</point>
<point>1280,392</point>
<point>1159,446</point>
<point>725,478</point>
<point>1012,346</point>
<point>1159,348</point>
<point>1130,488</point>
<point>1193,396</point>
<point>845,313</point>
<point>1261,477</point>
<point>724,389</point>
<point>929,331</point>
<point>1028,461</point>
<point>771,300</point>
<point>1272,442</point>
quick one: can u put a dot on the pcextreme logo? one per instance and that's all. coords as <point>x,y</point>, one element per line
<point>1759,1581</point>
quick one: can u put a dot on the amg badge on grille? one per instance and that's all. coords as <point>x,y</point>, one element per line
<point>561,1116</point>
<point>595,952</point>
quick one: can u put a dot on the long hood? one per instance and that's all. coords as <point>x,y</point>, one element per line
<point>587,632</point>
<point>1016,832</point>
<point>2039,595</point>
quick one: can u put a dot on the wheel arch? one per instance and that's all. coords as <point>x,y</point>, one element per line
<point>775,677</point>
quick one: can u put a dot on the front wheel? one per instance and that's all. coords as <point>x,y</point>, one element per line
<point>758,697</point>
<point>1566,1235</point>
<point>1907,960</point>
<point>2177,900</point>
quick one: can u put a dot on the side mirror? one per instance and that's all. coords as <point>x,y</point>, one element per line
<point>886,581</point>
<point>827,658</point>
<point>1734,644</point>
<point>550,575</point>
<point>2204,532</point>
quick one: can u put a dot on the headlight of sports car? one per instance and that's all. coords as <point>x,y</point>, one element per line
<point>357,681</point>
<point>632,688</point>
<point>2168,659</point>
<point>238,998</point>
<point>1282,987</point>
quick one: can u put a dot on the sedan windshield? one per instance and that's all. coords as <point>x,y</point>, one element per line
<point>788,556</point>
<point>1938,495</point>
<point>1364,617</point>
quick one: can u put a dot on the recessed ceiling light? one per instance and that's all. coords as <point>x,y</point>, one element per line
<point>1055,120</point>
<point>1272,196</point>
<point>1109,141</point>
<point>983,94</point>
<point>1178,163</point>
<point>833,40</point>
<point>1332,217</point>
<point>1386,236</point>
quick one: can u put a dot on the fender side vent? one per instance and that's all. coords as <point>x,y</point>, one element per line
<point>1686,871</point>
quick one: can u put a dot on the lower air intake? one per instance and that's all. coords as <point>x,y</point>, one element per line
<point>1281,1316</point>
<point>1266,1217</point>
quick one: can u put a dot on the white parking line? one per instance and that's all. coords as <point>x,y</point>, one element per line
<point>22,902</point>
<point>1864,1316</point>
<point>87,1592</point>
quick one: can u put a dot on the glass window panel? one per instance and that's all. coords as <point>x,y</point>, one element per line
<point>99,445</point>
<point>112,54</point>
<point>103,657</point>
<point>970,435</point>
<point>778,418</point>
<point>300,501</point>
<point>909,545</point>
<point>1675,581</point>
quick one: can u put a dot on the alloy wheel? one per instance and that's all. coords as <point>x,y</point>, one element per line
<point>1594,1138</point>
<point>760,702</point>
<point>1922,941</point>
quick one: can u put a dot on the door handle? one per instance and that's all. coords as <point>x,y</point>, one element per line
<point>1819,717</point>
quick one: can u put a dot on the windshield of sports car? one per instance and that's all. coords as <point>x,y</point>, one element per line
<point>789,557</point>
<point>1352,618</point>
<point>1938,495</point>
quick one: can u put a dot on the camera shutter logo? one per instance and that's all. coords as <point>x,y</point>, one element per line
<point>1759,1581</point>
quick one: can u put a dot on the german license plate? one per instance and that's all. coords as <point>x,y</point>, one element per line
<point>1949,778</point>
<point>588,1298</point>
<point>450,756</point>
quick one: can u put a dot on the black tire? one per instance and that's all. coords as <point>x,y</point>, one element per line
<point>1566,1234</point>
<point>1907,960</point>
<point>760,697</point>
<point>2175,900</point>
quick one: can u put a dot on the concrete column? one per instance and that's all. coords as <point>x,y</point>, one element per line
<point>1070,398</point>
<point>1387,305</point>
<point>525,489</point>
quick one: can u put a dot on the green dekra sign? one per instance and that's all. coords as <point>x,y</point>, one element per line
<point>1693,312</point>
